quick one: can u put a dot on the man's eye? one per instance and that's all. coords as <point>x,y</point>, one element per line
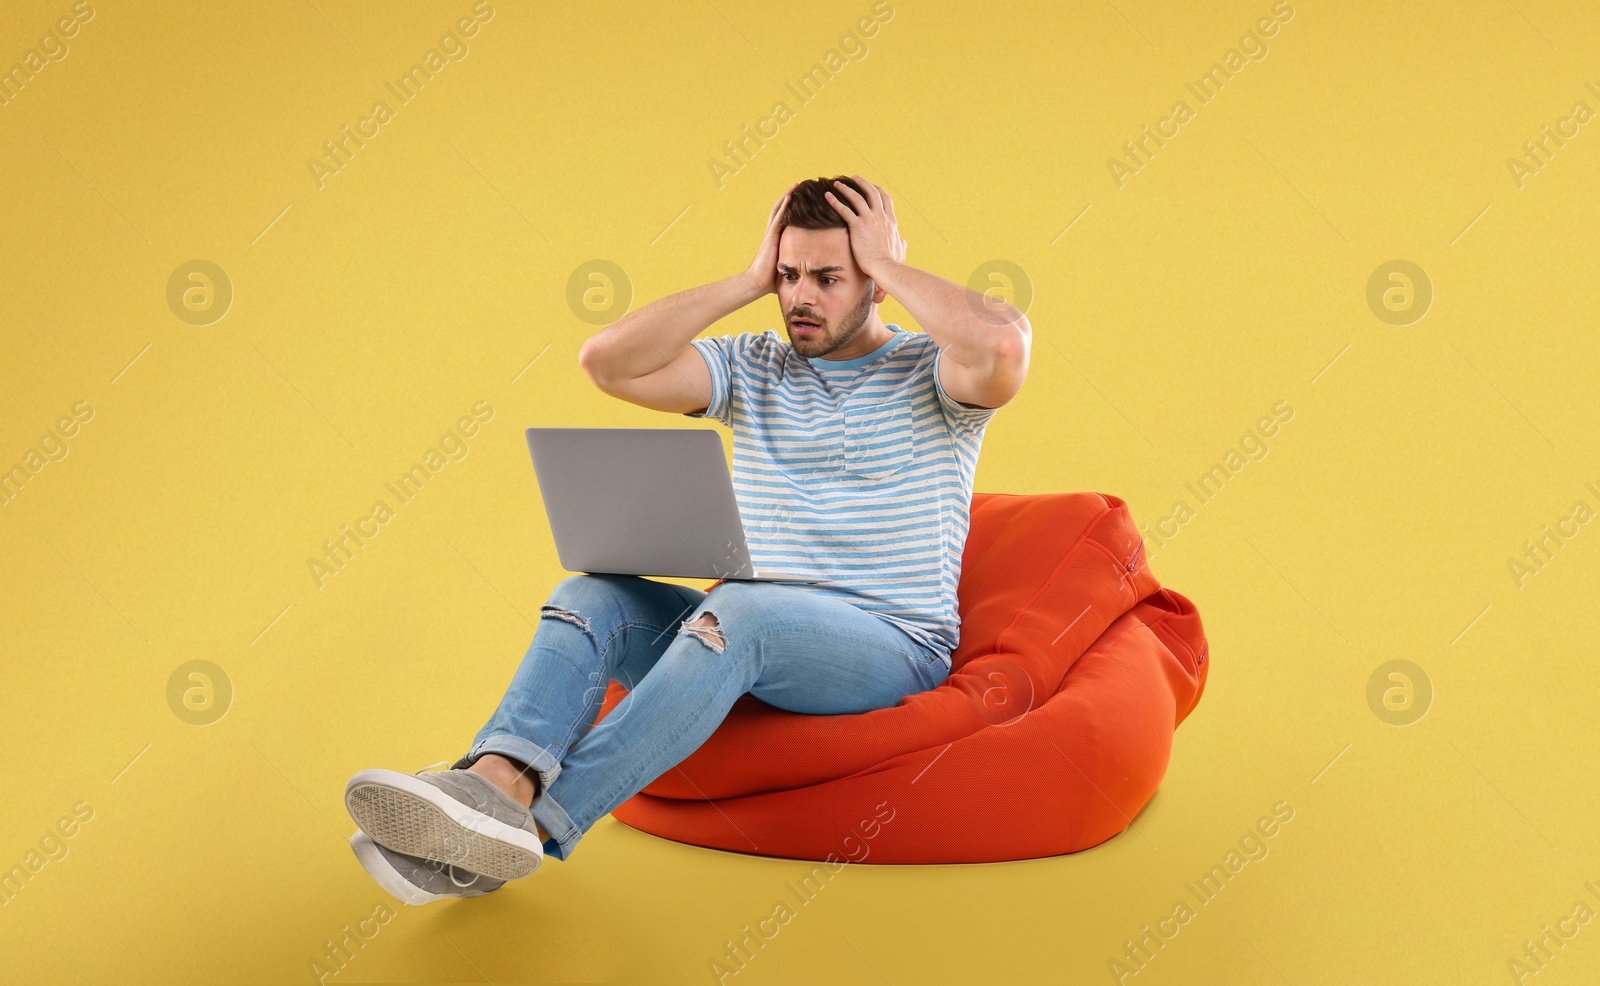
<point>829,280</point>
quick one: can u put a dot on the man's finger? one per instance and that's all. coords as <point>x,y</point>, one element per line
<point>873,192</point>
<point>853,196</point>
<point>839,207</point>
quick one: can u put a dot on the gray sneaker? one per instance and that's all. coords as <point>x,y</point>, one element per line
<point>449,816</point>
<point>414,880</point>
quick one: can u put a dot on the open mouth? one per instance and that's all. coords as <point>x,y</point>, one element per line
<point>802,325</point>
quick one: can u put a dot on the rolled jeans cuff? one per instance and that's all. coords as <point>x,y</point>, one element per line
<point>563,832</point>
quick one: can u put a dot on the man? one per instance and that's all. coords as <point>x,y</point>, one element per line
<point>855,445</point>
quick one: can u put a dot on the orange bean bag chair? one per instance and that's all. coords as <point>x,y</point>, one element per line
<point>1050,735</point>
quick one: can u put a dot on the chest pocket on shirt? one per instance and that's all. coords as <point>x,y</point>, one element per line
<point>879,439</point>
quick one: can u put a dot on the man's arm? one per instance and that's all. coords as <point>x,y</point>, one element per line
<point>985,356</point>
<point>985,342</point>
<point>645,358</point>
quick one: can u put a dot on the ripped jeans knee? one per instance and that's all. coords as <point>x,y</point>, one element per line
<point>568,615</point>
<point>708,633</point>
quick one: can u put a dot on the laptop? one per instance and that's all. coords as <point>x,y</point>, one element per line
<point>644,501</point>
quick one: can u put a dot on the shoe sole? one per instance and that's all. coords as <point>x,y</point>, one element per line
<point>413,817</point>
<point>389,878</point>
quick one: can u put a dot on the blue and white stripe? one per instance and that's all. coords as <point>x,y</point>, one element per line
<point>860,471</point>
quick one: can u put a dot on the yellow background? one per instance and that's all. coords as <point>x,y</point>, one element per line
<point>431,273</point>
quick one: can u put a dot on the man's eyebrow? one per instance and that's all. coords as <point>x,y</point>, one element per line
<point>815,270</point>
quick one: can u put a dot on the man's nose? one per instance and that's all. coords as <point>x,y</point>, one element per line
<point>805,295</point>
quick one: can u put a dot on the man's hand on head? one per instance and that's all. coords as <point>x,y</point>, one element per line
<point>763,271</point>
<point>875,238</point>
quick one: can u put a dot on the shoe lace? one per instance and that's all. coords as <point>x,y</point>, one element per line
<point>473,877</point>
<point>450,870</point>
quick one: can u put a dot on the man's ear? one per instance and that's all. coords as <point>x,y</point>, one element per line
<point>878,293</point>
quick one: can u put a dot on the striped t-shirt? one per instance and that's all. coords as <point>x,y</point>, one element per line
<point>856,470</point>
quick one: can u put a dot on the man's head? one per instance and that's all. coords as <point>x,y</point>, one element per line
<point>818,280</point>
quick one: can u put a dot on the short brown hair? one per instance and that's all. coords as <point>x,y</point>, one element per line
<point>808,209</point>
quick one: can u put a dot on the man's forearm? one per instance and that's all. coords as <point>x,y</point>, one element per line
<point>645,340</point>
<point>949,313</point>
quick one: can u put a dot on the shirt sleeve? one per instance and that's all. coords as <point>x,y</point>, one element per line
<point>718,352</point>
<point>963,420</point>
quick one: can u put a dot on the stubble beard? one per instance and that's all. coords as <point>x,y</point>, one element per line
<point>854,320</point>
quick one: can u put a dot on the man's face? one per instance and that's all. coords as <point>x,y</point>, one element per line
<point>819,284</point>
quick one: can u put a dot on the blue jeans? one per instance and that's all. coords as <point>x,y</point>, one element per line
<point>786,646</point>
